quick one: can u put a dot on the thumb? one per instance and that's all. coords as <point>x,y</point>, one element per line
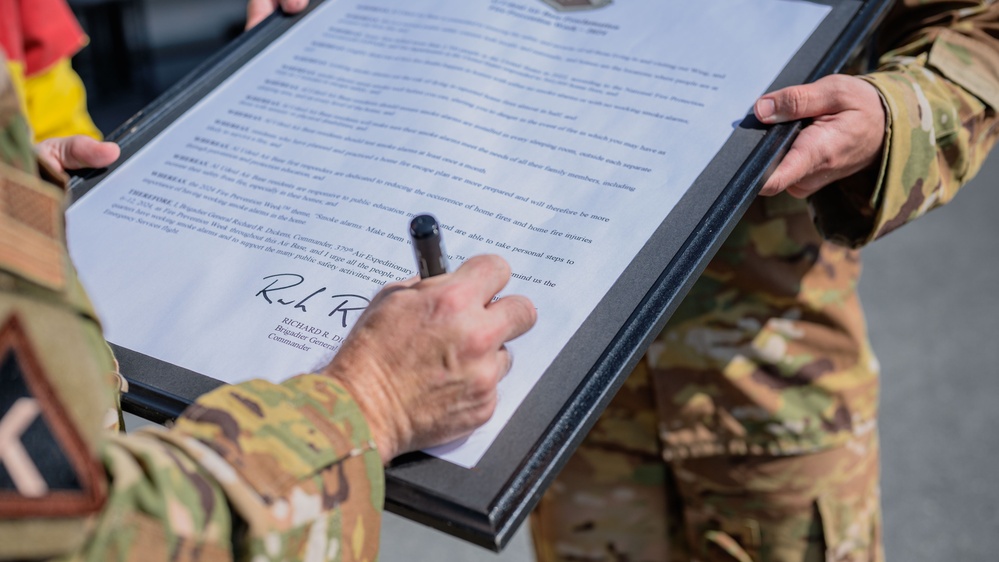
<point>258,10</point>
<point>823,97</point>
<point>76,152</point>
<point>293,6</point>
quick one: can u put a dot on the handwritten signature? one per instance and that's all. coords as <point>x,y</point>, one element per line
<point>342,303</point>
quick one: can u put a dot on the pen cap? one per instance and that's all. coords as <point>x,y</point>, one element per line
<point>428,246</point>
<point>423,227</point>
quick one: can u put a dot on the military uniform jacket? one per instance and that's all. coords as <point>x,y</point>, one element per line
<point>769,354</point>
<point>252,471</point>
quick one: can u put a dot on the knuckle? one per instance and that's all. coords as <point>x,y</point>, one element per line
<point>773,187</point>
<point>390,295</point>
<point>492,265</point>
<point>453,299</point>
<point>491,260</point>
<point>798,191</point>
<point>520,312</point>
<point>528,314</point>
<point>829,160</point>
<point>823,153</point>
<point>841,86</point>
<point>393,286</point>
<point>483,384</point>
<point>481,342</point>
<point>500,265</point>
<point>794,101</point>
<point>485,411</point>
<point>780,186</point>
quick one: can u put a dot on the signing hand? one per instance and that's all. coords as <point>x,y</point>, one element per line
<point>258,10</point>
<point>846,134</point>
<point>77,152</point>
<point>424,359</point>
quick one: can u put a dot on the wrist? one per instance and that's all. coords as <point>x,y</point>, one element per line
<point>380,410</point>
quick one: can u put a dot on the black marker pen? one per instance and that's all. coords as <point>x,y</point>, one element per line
<point>428,246</point>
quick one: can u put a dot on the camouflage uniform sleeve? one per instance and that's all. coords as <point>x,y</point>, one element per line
<point>939,83</point>
<point>255,471</point>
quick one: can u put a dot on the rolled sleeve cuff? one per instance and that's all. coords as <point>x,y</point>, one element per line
<point>870,204</point>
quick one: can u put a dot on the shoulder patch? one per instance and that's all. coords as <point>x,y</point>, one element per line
<point>31,228</point>
<point>46,469</point>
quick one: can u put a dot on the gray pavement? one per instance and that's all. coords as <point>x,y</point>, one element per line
<point>930,290</point>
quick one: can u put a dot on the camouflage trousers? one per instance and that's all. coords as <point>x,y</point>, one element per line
<point>617,500</point>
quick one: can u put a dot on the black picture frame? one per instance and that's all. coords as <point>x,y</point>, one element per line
<point>487,504</point>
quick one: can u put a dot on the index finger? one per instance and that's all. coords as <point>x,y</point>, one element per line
<point>488,274</point>
<point>516,314</point>
<point>792,169</point>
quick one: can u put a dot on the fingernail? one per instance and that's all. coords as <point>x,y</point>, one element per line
<point>765,110</point>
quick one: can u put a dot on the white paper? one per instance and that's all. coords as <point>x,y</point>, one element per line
<point>245,239</point>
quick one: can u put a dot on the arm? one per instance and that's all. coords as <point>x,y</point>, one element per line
<point>300,463</point>
<point>885,148</point>
<point>282,471</point>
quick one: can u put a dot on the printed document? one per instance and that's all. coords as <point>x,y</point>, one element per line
<point>246,238</point>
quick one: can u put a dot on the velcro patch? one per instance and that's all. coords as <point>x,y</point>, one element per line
<point>46,469</point>
<point>31,228</point>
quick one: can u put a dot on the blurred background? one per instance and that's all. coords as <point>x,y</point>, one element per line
<point>139,48</point>
<point>931,292</point>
